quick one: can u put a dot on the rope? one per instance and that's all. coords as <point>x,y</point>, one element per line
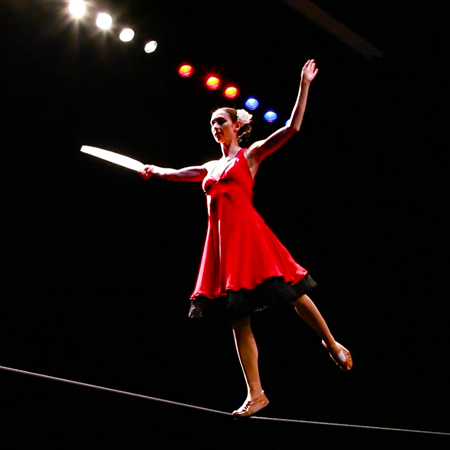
<point>146,397</point>
<point>366,427</point>
<point>101,388</point>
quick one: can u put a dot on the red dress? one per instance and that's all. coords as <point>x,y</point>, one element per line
<point>240,251</point>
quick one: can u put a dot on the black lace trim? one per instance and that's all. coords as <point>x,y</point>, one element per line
<point>243,303</point>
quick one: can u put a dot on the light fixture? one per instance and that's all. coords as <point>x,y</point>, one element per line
<point>104,21</point>
<point>126,35</point>
<point>77,8</point>
<point>150,47</point>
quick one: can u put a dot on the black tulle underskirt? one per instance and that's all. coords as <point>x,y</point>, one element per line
<point>271,292</point>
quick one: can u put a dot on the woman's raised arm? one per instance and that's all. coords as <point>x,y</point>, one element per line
<point>261,149</point>
<point>193,173</point>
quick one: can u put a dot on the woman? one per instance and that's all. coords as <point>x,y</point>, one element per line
<point>244,267</point>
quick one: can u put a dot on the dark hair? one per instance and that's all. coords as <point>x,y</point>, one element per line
<point>245,130</point>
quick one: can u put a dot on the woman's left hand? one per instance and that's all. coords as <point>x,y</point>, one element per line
<point>309,71</point>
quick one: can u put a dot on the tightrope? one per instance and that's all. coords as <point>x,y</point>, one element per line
<point>200,408</point>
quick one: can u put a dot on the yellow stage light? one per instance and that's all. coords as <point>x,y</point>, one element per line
<point>186,70</point>
<point>212,83</point>
<point>231,92</point>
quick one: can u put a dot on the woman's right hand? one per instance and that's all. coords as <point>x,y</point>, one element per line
<point>147,172</point>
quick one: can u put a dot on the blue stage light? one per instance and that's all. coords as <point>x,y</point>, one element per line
<point>288,122</point>
<point>251,104</point>
<point>270,116</point>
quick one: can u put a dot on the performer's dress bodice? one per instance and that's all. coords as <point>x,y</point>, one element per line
<point>240,251</point>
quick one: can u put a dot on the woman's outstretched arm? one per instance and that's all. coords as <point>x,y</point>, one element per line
<point>261,149</point>
<point>194,173</point>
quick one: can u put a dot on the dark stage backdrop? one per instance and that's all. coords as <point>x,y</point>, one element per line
<point>99,264</point>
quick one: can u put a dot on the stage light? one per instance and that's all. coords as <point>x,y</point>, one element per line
<point>212,83</point>
<point>251,104</point>
<point>288,122</point>
<point>150,47</point>
<point>77,8</point>
<point>185,70</point>
<point>104,21</point>
<point>231,92</point>
<point>127,35</point>
<point>270,116</point>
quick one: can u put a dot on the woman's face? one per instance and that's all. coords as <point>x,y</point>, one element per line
<point>222,127</point>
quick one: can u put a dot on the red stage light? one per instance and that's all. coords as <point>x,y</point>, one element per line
<point>231,92</point>
<point>186,70</point>
<point>213,83</point>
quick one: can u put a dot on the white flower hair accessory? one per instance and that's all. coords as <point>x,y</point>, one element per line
<point>243,116</point>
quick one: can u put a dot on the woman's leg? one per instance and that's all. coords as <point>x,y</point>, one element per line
<point>248,356</point>
<point>308,311</point>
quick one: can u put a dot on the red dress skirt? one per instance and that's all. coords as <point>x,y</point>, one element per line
<point>244,267</point>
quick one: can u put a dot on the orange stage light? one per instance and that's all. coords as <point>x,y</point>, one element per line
<point>213,83</point>
<point>186,70</point>
<point>231,92</point>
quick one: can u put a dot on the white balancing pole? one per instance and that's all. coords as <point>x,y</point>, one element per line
<point>115,158</point>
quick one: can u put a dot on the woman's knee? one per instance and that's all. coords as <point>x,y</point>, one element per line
<point>241,325</point>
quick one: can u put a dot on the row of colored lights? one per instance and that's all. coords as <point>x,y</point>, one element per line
<point>104,21</point>
<point>213,83</point>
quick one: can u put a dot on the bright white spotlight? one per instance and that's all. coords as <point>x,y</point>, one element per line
<point>77,8</point>
<point>150,47</point>
<point>127,35</point>
<point>104,21</point>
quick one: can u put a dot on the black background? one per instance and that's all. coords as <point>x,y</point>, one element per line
<point>99,264</point>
